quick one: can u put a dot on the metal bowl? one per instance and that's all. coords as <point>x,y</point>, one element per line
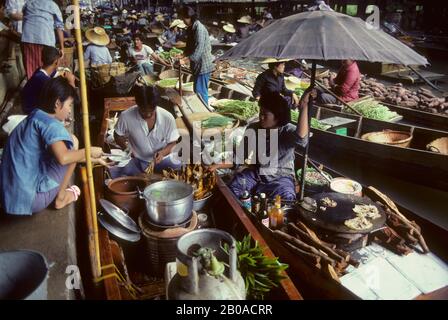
<point>198,205</point>
<point>168,203</point>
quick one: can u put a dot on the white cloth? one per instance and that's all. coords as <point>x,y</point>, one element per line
<point>143,55</point>
<point>144,143</point>
<point>3,27</point>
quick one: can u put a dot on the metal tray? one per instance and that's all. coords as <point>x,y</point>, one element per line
<point>119,216</point>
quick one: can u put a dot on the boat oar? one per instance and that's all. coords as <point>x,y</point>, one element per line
<point>307,148</point>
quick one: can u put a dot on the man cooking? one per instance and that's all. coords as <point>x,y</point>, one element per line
<point>273,80</point>
<point>151,132</point>
<point>345,85</point>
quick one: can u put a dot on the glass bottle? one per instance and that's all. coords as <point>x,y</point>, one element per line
<point>245,198</point>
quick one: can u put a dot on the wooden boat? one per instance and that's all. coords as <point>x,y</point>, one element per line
<point>317,285</point>
<point>413,117</point>
<point>414,164</point>
<point>116,280</point>
<point>229,216</point>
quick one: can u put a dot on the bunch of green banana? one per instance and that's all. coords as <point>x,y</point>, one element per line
<point>260,273</point>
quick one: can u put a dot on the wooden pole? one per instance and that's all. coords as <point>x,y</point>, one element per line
<point>305,156</point>
<point>87,143</point>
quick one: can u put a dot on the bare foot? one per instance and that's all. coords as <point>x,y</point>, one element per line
<point>65,197</point>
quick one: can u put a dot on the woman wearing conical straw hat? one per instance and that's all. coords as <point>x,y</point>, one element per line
<point>273,80</point>
<point>244,27</point>
<point>97,52</point>
<point>230,33</point>
<point>174,36</point>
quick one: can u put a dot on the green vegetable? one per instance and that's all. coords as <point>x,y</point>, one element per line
<point>315,124</point>
<point>299,92</point>
<point>168,83</point>
<point>372,109</point>
<point>170,54</point>
<point>241,110</point>
<point>259,272</point>
<point>313,177</point>
<point>216,121</point>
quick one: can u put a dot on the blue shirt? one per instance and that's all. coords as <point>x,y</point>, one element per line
<point>23,170</point>
<point>97,55</point>
<point>40,19</point>
<point>31,92</point>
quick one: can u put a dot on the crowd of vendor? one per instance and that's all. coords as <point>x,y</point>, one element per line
<point>40,155</point>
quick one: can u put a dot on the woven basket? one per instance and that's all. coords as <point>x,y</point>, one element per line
<point>439,146</point>
<point>169,74</point>
<point>102,74</point>
<point>394,138</point>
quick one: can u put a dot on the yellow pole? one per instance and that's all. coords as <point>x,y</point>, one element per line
<point>85,120</point>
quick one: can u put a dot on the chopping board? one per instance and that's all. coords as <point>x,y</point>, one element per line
<point>333,219</point>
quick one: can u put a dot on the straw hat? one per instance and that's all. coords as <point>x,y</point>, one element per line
<point>178,23</point>
<point>133,17</point>
<point>125,11</point>
<point>160,18</point>
<point>245,19</point>
<point>292,82</point>
<point>229,28</point>
<point>274,60</point>
<point>97,36</point>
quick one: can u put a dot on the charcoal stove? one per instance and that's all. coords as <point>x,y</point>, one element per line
<point>329,223</point>
<point>160,242</point>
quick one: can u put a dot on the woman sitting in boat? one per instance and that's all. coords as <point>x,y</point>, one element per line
<point>273,80</point>
<point>278,178</point>
<point>40,155</point>
<point>345,85</point>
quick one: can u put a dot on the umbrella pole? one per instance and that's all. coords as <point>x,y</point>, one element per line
<point>85,118</point>
<point>305,156</point>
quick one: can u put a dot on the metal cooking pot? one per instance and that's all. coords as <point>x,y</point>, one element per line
<point>168,203</point>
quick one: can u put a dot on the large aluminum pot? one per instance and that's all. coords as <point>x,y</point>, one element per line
<point>168,203</point>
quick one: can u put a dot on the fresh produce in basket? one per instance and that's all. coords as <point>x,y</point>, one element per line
<point>313,177</point>
<point>170,54</point>
<point>372,109</point>
<point>168,83</point>
<point>241,110</point>
<point>315,124</point>
<point>217,122</point>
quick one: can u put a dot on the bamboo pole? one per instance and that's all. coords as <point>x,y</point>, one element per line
<point>87,143</point>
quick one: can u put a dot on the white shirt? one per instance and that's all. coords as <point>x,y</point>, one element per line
<point>144,143</point>
<point>143,55</point>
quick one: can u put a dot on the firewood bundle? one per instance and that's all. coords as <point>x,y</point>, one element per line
<point>401,235</point>
<point>304,242</point>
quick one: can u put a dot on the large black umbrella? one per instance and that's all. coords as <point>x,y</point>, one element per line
<point>324,35</point>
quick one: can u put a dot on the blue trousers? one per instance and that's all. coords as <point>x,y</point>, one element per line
<point>146,68</point>
<point>282,186</point>
<point>200,85</point>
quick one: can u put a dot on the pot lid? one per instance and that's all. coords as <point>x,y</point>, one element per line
<point>117,230</point>
<point>333,218</point>
<point>118,215</point>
